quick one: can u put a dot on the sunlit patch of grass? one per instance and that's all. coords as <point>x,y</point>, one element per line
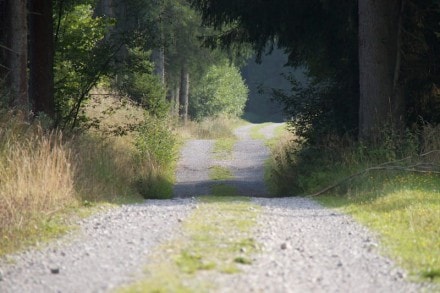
<point>279,161</point>
<point>220,173</point>
<point>209,128</point>
<point>223,148</point>
<point>406,213</point>
<point>217,239</point>
<point>279,132</point>
<point>255,131</point>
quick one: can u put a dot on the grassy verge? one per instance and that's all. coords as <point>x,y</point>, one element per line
<point>402,207</point>
<point>405,210</point>
<point>217,239</point>
<point>46,180</point>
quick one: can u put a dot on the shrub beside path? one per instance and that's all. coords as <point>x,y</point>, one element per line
<point>303,247</point>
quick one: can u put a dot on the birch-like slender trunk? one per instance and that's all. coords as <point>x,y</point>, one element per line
<point>184,94</point>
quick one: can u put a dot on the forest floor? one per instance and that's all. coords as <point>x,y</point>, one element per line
<point>221,233</point>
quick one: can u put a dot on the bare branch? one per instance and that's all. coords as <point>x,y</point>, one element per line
<point>428,168</point>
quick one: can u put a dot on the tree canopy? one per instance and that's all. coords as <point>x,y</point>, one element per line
<point>323,37</point>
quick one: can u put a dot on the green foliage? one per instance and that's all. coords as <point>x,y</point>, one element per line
<point>137,80</point>
<point>324,44</point>
<point>304,168</point>
<point>81,58</point>
<point>155,141</point>
<point>156,146</point>
<point>220,92</point>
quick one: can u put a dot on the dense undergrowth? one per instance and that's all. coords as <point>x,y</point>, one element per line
<point>395,190</point>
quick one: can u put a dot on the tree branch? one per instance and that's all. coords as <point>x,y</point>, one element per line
<point>386,166</point>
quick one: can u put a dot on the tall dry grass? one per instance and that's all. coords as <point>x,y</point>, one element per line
<point>36,177</point>
<point>209,128</point>
<point>105,168</point>
<point>44,175</point>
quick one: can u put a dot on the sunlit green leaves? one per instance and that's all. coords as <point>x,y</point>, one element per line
<point>221,91</point>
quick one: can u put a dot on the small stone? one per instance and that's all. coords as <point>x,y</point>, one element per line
<point>179,220</point>
<point>55,270</point>
<point>339,264</point>
<point>243,250</point>
<point>1,276</point>
<point>284,246</point>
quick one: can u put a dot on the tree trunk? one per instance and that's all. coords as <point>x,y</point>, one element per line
<point>184,93</point>
<point>18,55</point>
<point>176,97</point>
<point>381,100</point>
<point>159,63</point>
<point>41,56</point>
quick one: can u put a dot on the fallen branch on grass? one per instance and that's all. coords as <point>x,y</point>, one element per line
<point>420,167</point>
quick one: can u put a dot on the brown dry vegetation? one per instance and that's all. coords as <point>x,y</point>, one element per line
<point>45,176</point>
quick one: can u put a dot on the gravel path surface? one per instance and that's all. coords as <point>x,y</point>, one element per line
<point>304,247</point>
<point>192,175</point>
<point>308,248</point>
<point>269,130</point>
<point>109,250</point>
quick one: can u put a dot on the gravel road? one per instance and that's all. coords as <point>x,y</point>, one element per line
<point>304,247</point>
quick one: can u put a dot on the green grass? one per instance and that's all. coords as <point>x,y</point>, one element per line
<point>220,173</point>
<point>405,211</point>
<point>216,239</point>
<point>278,132</point>
<point>255,131</point>
<point>223,148</point>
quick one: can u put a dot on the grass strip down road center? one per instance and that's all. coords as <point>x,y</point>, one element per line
<point>216,238</point>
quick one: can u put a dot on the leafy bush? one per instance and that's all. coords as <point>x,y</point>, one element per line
<point>81,57</point>
<point>221,91</point>
<point>137,80</point>
<point>156,146</point>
